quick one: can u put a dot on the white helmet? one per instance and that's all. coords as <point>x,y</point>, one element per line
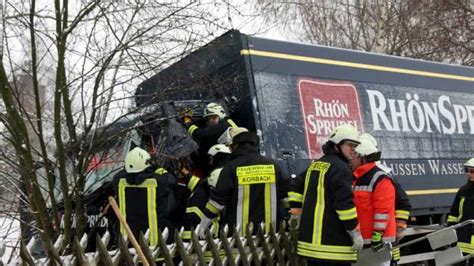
<point>344,132</point>
<point>235,131</point>
<point>368,137</point>
<point>137,160</point>
<point>214,109</point>
<point>469,163</point>
<point>218,148</point>
<point>367,146</point>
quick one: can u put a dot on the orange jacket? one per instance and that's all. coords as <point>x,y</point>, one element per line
<point>374,198</point>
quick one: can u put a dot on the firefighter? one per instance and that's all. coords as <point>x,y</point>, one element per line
<point>145,194</point>
<point>218,155</point>
<point>463,210</point>
<point>374,197</point>
<point>329,230</point>
<point>249,188</point>
<point>402,202</point>
<point>217,123</point>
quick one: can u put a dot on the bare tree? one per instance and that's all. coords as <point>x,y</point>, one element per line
<point>430,30</point>
<point>84,59</point>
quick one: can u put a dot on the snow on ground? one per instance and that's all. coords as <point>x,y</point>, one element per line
<point>9,235</point>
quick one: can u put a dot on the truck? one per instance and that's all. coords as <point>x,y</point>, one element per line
<point>294,94</point>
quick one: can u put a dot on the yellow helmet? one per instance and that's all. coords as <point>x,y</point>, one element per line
<point>137,160</point>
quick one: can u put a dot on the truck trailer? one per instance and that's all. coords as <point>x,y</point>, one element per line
<point>293,95</point>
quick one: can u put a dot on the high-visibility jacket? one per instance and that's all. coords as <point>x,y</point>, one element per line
<point>374,198</point>
<point>250,188</point>
<point>462,210</point>
<point>324,192</point>
<point>145,200</point>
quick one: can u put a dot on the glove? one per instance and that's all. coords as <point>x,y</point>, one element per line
<point>187,118</point>
<point>401,226</point>
<point>203,225</point>
<point>376,244</point>
<point>400,234</point>
<point>295,216</point>
<point>357,240</point>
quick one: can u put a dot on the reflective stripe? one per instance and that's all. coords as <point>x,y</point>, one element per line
<point>466,247</point>
<point>345,215</point>
<point>212,208</point>
<point>151,185</point>
<point>374,179</point>
<point>396,254</point>
<point>327,255</point>
<point>329,252</point>
<point>232,123</point>
<point>245,210</point>
<point>161,171</point>
<point>123,206</point>
<point>186,235</point>
<point>192,128</point>
<point>295,197</point>
<point>452,219</point>
<point>461,208</point>
<point>216,204</point>
<point>195,210</point>
<point>240,198</point>
<point>381,216</point>
<point>268,207</point>
<point>329,248</point>
<point>380,226</point>
<point>192,183</point>
<point>402,214</point>
<point>274,204</point>
<point>322,167</point>
<point>152,216</point>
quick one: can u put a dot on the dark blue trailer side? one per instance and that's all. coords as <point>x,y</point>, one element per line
<point>292,94</point>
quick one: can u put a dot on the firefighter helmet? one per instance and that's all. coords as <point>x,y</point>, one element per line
<point>218,148</point>
<point>344,132</point>
<point>367,146</point>
<point>214,109</point>
<point>367,136</point>
<point>137,160</point>
<point>235,131</point>
<point>469,163</point>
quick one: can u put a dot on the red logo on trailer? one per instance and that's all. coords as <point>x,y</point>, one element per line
<point>326,105</point>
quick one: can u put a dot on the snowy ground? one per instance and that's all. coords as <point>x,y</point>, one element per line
<point>9,235</point>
